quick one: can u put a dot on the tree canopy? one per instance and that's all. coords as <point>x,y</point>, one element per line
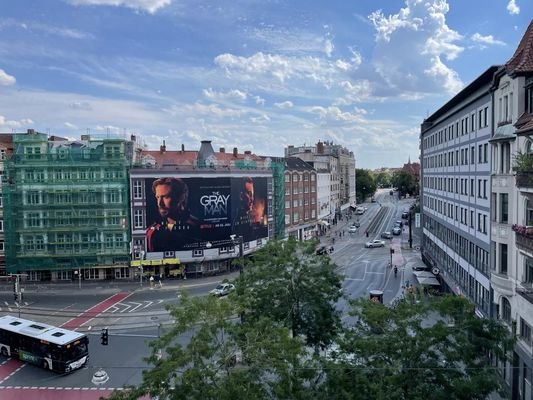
<point>404,182</point>
<point>278,336</point>
<point>365,185</point>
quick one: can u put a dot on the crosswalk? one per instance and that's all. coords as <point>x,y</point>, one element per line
<point>13,306</point>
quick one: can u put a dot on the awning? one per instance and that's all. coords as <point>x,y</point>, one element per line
<point>171,261</point>
<point>325,223</point>
<point>135,263</point>
<point>426,278</point>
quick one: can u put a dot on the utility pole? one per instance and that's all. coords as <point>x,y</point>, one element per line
<point>17,290</point>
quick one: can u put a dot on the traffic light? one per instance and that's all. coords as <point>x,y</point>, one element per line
<point>104,336</point>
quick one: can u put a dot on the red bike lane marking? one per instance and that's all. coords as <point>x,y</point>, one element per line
<point>92,312</point>
<point>10,366</point>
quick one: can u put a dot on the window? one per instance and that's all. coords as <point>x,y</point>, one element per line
<point>503,258</point>
<point>287,204</point>
<point>528,270</point>
<point>504,208</point>
<point>287,178</point>
<point>1,245</point>
<point>506,310</point>
<point>33,198</point>
<point>137,189</point>
<point>525,331</point>
<point>113,197</point>
<point>287,219</point>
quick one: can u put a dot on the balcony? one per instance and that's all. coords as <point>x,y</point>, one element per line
<point>524,179</point>
<point>524,237</point>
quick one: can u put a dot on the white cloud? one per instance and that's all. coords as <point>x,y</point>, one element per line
<point>5,79</point>
<point>284,105</point>
<point>234,94</point>
<point>147,5</point>
<point>70,126</point>
<point>355,92</point>
<point>486,40</point>
<point>34,26</point>
<point>418,29</point>
<point>513,8</point>
<point>259,100</point>
<point>336,114</point>
<point>12,124</point>
<point>328,47</point>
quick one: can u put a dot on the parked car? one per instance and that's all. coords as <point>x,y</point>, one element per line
<point>356,224</point>
<point>375,243</point>
<point>396,230</point>
<point>222,289</point>
<point>398,223</point>
<point>352,229</point>
<point>405,215</point>
<point>386,235</point>
<point>373,200</point>
<point>321,250</point>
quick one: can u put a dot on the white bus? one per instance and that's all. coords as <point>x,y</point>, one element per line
<point>45,345</point>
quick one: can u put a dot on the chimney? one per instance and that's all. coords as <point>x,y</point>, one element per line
<point>222,150</point>
<point>235,152</point>
<point>31,131</point>
<point>133,138</point>
<point>182,147</point>
<point>320,148</point>
<point>163,147</point>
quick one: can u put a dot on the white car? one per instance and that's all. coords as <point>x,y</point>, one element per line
<point>352,229</point>
<point>375,243</point>
<point>222,289</point>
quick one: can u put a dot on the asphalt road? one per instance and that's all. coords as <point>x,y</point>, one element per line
<point>134,315</point>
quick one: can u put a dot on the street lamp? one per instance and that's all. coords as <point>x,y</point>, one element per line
<point>141,254</point>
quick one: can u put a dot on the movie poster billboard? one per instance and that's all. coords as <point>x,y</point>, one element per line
<point>186,213</point>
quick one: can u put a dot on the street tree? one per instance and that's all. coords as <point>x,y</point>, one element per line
<point>291,285</point>
<point>432,350</point>
<point>206,354</point>
<point>365,185</point>
<point>404,182</point>
<point>383,179</point>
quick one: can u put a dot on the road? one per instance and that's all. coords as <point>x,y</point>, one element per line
<point>134,315</point>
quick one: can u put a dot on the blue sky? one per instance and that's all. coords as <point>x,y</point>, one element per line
<point>254,74</point>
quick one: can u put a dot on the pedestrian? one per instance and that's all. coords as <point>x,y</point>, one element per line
<point>151,281</point>
<point>395,271</point>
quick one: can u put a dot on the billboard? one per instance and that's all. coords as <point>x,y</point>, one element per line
<point>186,213</point>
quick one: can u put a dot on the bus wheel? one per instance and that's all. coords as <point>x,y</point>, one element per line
<point>4,352</point>
<point>45,364</point>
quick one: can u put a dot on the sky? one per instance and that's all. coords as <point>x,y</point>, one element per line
<point>258,75</point>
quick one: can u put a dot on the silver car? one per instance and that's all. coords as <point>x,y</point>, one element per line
<point>375,243</point>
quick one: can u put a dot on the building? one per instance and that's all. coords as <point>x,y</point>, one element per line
<point>455,190</point>
<point>512,210</point>
<point>6,149</point>
<point>67,202</point>
<point>300,199</point>
<point>225,203</point>
<point>335,166</point>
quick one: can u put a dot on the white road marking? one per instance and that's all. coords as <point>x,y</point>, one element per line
<point>136,307</point>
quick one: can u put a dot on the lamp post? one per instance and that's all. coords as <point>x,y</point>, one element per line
<point>239,240</point>
<point>141,253</point>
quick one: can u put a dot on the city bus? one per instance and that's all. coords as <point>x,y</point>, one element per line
<point>47,346</point>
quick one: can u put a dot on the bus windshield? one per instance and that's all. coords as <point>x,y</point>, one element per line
<point>75,351</point>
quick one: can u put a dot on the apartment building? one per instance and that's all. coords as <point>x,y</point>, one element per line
<point>6,149</point>
<point>455,192</point>
<point>512,210</point>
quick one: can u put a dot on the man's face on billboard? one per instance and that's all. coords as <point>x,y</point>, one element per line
<point>167,202</point>
<point>247,196</point>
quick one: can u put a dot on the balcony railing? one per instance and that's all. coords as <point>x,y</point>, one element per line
<point>524,179</point>
<point>524,237</point>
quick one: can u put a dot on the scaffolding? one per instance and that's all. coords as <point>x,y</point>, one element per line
<point>278,176</point>
<point>66,205</point>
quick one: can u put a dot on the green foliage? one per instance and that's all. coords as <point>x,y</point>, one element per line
<point>365,185</point>
<point>411,351</point>
<point>404,182</point>
<point>293,287</point>
<point>383,179</point>
<point>523,162</point>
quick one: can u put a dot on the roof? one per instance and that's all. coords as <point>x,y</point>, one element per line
<point>522,60</point>
<point>297,164</point>
<point>524,124</point>
<point>485,79</point>
<point>39,330</point>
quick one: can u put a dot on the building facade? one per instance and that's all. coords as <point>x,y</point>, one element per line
<point>455,204</point>
<point>338,163</point>
<point>67,203</point>
<point>300,199</point>
<point>228,204</point>
<point>6,149</point>
<point>512,211</point>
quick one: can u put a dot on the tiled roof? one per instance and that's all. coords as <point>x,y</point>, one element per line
<point>524,124</point>
<point>522,60</point>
